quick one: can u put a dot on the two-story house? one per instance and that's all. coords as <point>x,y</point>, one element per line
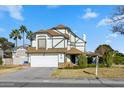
<point>55,46</point>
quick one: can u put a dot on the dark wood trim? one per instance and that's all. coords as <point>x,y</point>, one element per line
<point>58,38</point>
<point>76,40</point>
<point>41,36</point>
<point>58,43</point>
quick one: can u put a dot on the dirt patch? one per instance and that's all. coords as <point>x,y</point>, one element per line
<point>11,68</point>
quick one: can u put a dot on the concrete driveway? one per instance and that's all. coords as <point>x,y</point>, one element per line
<point>29,74</point>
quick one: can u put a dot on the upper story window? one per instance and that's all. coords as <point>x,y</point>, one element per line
<point>42,42</point>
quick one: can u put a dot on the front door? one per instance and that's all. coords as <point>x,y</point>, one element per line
<point>73,59</point>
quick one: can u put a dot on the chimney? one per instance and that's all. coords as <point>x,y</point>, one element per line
<point>84,37</point>
<point>46,43</point>
<point>36,42</point>
<point>68,47</point>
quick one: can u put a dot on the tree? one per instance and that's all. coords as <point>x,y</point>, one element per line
<point>118,20</point>
<point>29,36</point>
<point>118,58</point>
<point>108,58</point>
<point>15,34</point>
<point>82,61</point>
<point>5,44</point>
<point>102,49</point>
<point>23,30</point>
<point>1,62</point>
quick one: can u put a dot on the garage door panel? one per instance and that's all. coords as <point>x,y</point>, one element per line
<point>44,61</point>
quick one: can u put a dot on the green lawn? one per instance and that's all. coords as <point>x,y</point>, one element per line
<point>114,72</point>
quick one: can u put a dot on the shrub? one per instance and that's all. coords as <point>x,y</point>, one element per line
<point>118,59</point>
<point>1,62</point>
<point>91,65</point>
<point>108,58</point>
<point>82,61</point>
<point>90,60</point>
<point>101,60</point>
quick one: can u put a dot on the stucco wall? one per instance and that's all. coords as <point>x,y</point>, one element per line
<point>33,43</point>
<point>56,39</point>
<point>68,58</point>
<point>7,61</point>
<point>20,56</point>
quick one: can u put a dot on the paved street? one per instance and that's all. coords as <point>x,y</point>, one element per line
<point>40,77</point>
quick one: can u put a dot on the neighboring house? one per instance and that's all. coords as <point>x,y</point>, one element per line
<point>19,55</point>
<point>54,47</point>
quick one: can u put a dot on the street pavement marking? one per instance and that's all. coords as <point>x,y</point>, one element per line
<point>46,80</point>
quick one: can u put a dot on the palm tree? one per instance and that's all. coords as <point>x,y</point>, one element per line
<point>15,35</point>
<point>29,36</point>
<point>23,30</point>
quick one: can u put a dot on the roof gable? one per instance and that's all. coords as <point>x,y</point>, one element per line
<point>52,33</point>
<point>61,26</point>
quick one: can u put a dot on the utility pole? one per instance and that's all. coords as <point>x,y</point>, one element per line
<point>97,63</point>
<point>84,38</point>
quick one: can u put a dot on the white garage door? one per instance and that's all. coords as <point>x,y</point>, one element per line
<point>44,61</point>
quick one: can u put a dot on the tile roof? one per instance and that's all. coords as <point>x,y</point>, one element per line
<point>53,33</point>
<point>49,50</point>
<point>53,50</point>
<point>61,26</point>
<point>93,54</point>
<point>74,51</point>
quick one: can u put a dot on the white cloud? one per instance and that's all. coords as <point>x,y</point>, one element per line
<point>113,35</point>
<point>104,22</point>
<point>110,37</point>
<point>107,21</point>
<point>14,11</point>
<point>89,14</point>
<point>108,41</point>
<point>53,6</point>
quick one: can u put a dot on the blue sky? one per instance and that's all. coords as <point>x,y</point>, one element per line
<point>89,20</point>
